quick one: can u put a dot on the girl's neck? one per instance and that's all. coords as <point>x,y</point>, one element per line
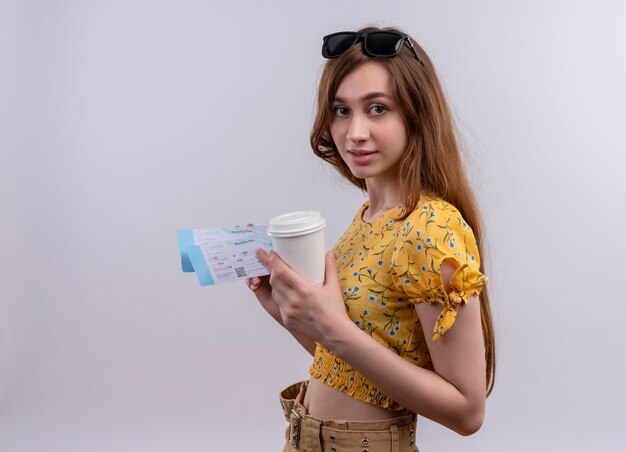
<point>382,195</point>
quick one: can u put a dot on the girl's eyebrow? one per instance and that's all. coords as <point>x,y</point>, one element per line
<point>364,98</point>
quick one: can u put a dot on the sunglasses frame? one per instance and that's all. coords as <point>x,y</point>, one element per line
<point>358,36</point>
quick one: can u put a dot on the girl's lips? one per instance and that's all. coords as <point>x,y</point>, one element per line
<point>361,159</point>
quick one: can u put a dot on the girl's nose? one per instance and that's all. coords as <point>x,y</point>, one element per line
<point>358,130</point>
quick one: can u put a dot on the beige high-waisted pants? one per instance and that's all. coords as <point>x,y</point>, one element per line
<point>306,433</point>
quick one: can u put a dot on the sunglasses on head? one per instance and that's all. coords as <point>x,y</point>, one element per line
<point>382,44</point>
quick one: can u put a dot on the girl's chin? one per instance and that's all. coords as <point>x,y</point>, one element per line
<point>363,173</point>
<point>372,173</point>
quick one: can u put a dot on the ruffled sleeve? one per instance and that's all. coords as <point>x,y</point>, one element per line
<point>434,232</point>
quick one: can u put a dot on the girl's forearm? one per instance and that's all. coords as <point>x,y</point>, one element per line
<point>420,390</point>
<point>306,342</point>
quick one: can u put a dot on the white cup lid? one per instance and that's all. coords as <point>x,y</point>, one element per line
<point>295,223</point>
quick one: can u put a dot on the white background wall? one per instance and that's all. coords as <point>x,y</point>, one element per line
<point>123,121</point>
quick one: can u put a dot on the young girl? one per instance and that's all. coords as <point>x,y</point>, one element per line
<point>402,324</point>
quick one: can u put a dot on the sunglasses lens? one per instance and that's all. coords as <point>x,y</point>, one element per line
<point>335,45</point>
<point>383,44</point>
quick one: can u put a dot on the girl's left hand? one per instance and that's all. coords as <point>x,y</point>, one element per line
<point>317,312</point>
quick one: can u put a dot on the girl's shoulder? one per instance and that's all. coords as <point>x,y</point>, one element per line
<point>431,204</point>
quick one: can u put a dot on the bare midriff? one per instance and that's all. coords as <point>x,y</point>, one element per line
<point>324,402</point>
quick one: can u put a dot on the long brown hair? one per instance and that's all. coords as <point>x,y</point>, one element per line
<point>432,160</point>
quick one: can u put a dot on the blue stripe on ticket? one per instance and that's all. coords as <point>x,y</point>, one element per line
<point>185,240</point>
<point>199,265</point>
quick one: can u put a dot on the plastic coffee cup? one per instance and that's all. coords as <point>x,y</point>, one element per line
<point>298,238</point>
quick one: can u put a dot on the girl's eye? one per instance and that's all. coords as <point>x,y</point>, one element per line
<point>378,109</point>
<point>340,111</point>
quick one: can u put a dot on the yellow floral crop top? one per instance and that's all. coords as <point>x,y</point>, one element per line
<point>386,266</point>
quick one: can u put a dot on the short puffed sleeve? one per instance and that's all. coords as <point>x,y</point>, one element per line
<point>433,232</point>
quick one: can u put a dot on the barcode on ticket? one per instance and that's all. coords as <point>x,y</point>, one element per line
<point>240,272</point>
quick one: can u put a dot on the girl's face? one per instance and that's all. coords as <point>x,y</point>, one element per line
<point>367,121</point>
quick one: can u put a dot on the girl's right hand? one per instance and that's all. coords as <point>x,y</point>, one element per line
<point>262,289</point>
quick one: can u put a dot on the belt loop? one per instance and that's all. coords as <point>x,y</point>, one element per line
<point>395,440</point>
<point>313,429</point>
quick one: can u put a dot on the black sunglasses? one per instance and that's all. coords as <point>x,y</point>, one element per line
<point>382,44</point>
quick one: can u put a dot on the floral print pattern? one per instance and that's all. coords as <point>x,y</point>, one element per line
<point>384,267</point>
